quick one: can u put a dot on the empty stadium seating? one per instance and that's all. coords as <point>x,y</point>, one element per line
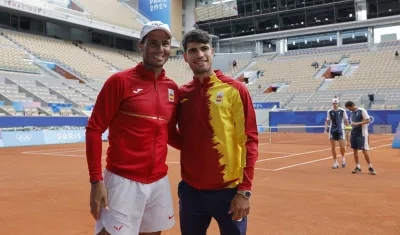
<point>301,86</point>
<point>375,72</point>
<point>14,58</point>
<point>345,49</point>
<point>215,11</point>
<point>65,53</point>
<point>376,69</point>
<point>298,72</point>
<point>112,12</point>
<point>46,90</point>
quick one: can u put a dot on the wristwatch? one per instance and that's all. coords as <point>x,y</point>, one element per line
<point>245,193</point>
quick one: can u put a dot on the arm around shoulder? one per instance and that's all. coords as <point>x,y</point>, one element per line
<point>174,137</point>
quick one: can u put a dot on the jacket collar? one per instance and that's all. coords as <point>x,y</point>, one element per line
<point>217,74</point>
<point>146,73</point>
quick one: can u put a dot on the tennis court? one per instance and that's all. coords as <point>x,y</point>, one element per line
<point>45,189</point>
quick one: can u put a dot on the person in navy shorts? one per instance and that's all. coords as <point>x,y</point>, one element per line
<point>359,119</point>
<point>336,118</point>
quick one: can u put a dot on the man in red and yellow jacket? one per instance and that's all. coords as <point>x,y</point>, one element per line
<point>219,145</point>
<point>138,107</point>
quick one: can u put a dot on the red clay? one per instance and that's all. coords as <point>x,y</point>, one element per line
<point>47,192</point>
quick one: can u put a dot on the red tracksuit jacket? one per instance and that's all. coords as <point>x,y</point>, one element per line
<point>217,123</point>
<point>137,108</point>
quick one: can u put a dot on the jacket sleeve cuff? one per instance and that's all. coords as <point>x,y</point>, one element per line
<point>96,177</point>
<point>242,187</point>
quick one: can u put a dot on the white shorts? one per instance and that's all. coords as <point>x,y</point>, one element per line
<point>135,207</point>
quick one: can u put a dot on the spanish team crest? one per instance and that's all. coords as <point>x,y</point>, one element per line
<point>220,95</point>
<point>171,96</point>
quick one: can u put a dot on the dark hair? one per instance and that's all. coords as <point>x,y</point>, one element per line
<point>195,35</point>
<point>349,104</point>
<point>143,40</point>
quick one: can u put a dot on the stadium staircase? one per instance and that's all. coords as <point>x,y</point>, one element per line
<point>325,85</point>
<point>347,71</point>
<point>246,68</point>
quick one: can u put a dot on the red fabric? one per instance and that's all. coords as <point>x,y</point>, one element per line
<point>137,108</point>
<point>200,159</point>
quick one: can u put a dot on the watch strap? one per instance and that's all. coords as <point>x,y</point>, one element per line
<point>245,193</point>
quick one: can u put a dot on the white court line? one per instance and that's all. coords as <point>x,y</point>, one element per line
<point>263,169</point>
<point>55,154</point>
<point>303,153</point>
<point>69,151</point>
<point>262,160</point>
<point>57,150</point>
<point>292,155</point>
<point>50,150</point>
<point>275,152</point>
<point>381,140</point>
<point>290,141</point>
<point>77,156</point>
<point>322,159</point>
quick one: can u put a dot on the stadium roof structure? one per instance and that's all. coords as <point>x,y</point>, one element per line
<point>376,22</point>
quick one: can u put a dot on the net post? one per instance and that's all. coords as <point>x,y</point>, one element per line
<point>270,134</point>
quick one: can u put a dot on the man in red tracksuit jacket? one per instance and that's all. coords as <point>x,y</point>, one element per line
<point>219,145</point>
<point>138,107</point>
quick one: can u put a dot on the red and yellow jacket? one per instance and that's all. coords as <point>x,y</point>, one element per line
<point>138,109</point>
<point>217,123</point>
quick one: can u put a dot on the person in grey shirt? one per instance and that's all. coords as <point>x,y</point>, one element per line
<point>359,120</point>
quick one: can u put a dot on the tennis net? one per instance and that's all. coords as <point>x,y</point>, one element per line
<point>294,134</point>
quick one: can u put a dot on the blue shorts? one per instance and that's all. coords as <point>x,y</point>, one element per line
<point>198,207</point>
<point>336,135</point>
<point>359,142</point>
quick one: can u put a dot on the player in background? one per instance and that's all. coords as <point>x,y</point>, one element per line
<point>219,149</point>
<point>359,120</point>
<point>136,105</point>
<point>336,119</point>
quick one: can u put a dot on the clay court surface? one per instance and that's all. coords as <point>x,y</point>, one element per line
<point>45,190</point>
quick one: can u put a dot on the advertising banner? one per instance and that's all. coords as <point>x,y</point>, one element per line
<point>265,105</point>
<point>156,10</point>
<point>1,140</point>
<point>63,136</point>
<point>31,138</point>
<point>22,138</point>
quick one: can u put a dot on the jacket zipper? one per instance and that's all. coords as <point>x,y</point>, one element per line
<point>156,132</point>
<point>203,119</point>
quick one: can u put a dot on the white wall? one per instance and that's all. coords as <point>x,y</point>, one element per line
<point>189,15</point>
<point>378,32</point>
<point>224,62</point>
<point>361,10</point>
